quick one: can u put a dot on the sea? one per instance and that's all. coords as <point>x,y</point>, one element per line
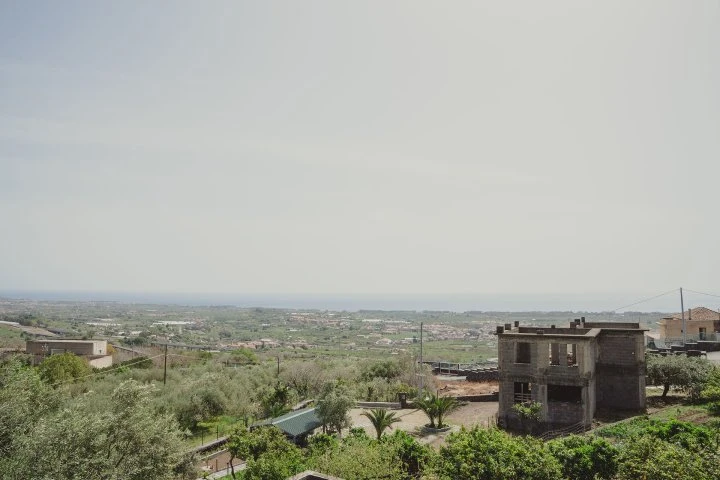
<point>463,302</point>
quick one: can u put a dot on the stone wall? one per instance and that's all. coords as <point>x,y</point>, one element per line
<point>484,375</point>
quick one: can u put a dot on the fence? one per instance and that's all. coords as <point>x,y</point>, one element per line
<point>561,432</point>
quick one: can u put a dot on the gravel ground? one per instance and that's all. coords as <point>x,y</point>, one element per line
<point>474,413</point>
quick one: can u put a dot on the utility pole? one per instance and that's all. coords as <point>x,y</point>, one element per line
<point>422,370</point>
<point>165,367</point>
<point>682,312</point>
<point>278,369</point>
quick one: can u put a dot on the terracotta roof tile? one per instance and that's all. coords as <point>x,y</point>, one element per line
<point>699,313</point>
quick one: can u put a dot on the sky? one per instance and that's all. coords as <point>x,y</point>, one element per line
<point>375,147</point>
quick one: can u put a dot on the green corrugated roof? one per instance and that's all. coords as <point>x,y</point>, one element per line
<point>296,423</point>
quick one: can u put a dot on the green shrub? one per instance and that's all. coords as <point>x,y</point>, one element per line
<point>714,408</point>
<point>648,458</point>
<point>494,455</point>
<point>585,458</point>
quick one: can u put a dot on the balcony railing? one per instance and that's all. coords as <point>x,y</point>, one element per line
<point>523,397</point>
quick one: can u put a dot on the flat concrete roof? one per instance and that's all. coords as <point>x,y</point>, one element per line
<point>585,330</point>
<point>66,341</point>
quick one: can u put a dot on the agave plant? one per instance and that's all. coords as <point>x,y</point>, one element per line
<point>381,419</point>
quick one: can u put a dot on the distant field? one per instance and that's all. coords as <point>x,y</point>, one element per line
<point>290,333</point>
<point>462,351</point>
<point>11,337</point>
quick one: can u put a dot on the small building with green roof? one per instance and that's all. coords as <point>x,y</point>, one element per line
<point>296,425</point>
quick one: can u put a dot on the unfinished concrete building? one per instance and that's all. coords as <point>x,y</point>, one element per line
<point>94,351</point>
<point>570,372</point>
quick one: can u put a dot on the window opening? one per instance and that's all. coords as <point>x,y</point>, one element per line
<point>572,356</point>
<point>522,352</point>
<point>556,353</point>
<point>564,393</point>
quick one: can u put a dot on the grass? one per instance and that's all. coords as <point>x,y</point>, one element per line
<point>213,429</point>
<point>676,407</point>
<point>672,407</point>
<point>455,351</point>
<point>11,337</point>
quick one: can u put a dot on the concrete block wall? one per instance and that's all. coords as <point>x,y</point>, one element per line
<point>539,373</point>
<point>100,361</point>
<point>610,369</point>
<point>621,370</point>
<point>565,413</point>
<point>78,347</point>
<point>620,391</point>
<point>620,348</point>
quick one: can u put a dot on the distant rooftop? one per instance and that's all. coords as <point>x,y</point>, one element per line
<point>698,313</point>
<point>65,341</point>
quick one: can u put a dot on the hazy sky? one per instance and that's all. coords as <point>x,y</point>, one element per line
<point>367,147</point>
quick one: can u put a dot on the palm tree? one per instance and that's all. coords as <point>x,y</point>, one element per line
<point>381,420</point>
<point>444,406</point>
<point>436,408</point>
<point>427,405</point>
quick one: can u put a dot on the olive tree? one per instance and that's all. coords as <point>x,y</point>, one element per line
<point>24,400</point>
<point>269,455</point>
<point>333,407</point>
<point>127,440</point>
<point>686,374</point>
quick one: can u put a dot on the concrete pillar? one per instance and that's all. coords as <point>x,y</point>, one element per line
<point>562,354</point>
<point>587,415</point>
<point>542,359</point>
<point>554,354</point>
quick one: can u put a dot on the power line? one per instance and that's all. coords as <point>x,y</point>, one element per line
<point>106,371</point>
<point>183,356</point>
<point>645,300</point>
<point>702,293</point>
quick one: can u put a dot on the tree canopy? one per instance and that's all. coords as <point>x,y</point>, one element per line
<point>585,457</point>
<point>687,374</point>
<point>479,454</point>
<point>63,367</point>
<point>333,407</point>
<point>268,453</point>
<point>44,434</point>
